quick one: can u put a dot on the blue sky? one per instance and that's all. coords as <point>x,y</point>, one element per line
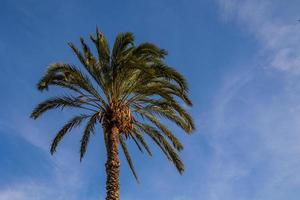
<point>242,60</point>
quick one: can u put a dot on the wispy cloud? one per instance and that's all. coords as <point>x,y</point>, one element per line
<point>278,36</point>
<point>66,180</point>
<point>40,191</point>
<point>256,139</point>
<point>256,123</point>
<point>27,191</point>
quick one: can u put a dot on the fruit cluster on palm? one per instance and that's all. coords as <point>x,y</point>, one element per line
<point>129,91</point>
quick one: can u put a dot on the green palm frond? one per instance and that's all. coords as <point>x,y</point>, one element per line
<point>102,47</point>
<point>90,128</point>
<point>74,122</point>
<point>148,50</point>
<point>170,88</point>
<point>128,157</point>
<point>77,52</point>
<point>71,75</point>
<point>174,156</point>
<point>136,143</point>
<point>170,73</point>
<point>164,145</point>
<point>137,134</point>
<point>90,63</point>
<point>169,105</point>
<point>152,133</point>
<point>122,42</point>
<point>176,143</point>
<point>56,102</point>
<point>170,115</point>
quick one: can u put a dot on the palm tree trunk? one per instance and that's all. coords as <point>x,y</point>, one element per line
<point>112,165</point>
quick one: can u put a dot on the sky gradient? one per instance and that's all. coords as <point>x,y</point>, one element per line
<point>242,62</point>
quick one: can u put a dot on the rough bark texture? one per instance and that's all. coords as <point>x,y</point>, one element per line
<point>112,165</point>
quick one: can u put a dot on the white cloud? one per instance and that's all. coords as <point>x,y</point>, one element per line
<point>261,127</point>
<point>256,124</point>
<point>40,191</point>
<point>26,191</point>
<point>67,180</point>
<point>13,195</point>
<point>256,139</point>
<point>278,36</point>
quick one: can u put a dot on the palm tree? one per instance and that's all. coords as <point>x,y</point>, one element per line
<point>129,91</point>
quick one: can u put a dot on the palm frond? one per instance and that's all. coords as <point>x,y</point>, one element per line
<point>168,105</point>
<point>174,156</point>
<point>176,143</point>
<point>70,75</point>
<point>165,71</point>
<point>170,115</point>
<point>136,142</point>
<point>102,47</point>
<point>128,157</point>
<point>149,50</point>
<point>55,102</point>
<point>90,63</point>
<point>74,122</point>
<point>164,145</point>
<point>123,40</point>
<point>139,138</point>
<point>90,128</point>
<point>152,133</point>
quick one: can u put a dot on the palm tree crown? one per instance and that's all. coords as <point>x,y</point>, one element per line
<point>129,90</point>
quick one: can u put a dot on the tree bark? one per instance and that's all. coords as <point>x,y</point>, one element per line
<point>112,165</point>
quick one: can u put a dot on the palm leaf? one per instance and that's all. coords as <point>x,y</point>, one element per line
<point>164,145</point>
<point>90,128</point>
<point>128,157</point>
<point>176,143</point>
<point>55,102</point>
<point>74,122</point>
<point>141,140</point>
